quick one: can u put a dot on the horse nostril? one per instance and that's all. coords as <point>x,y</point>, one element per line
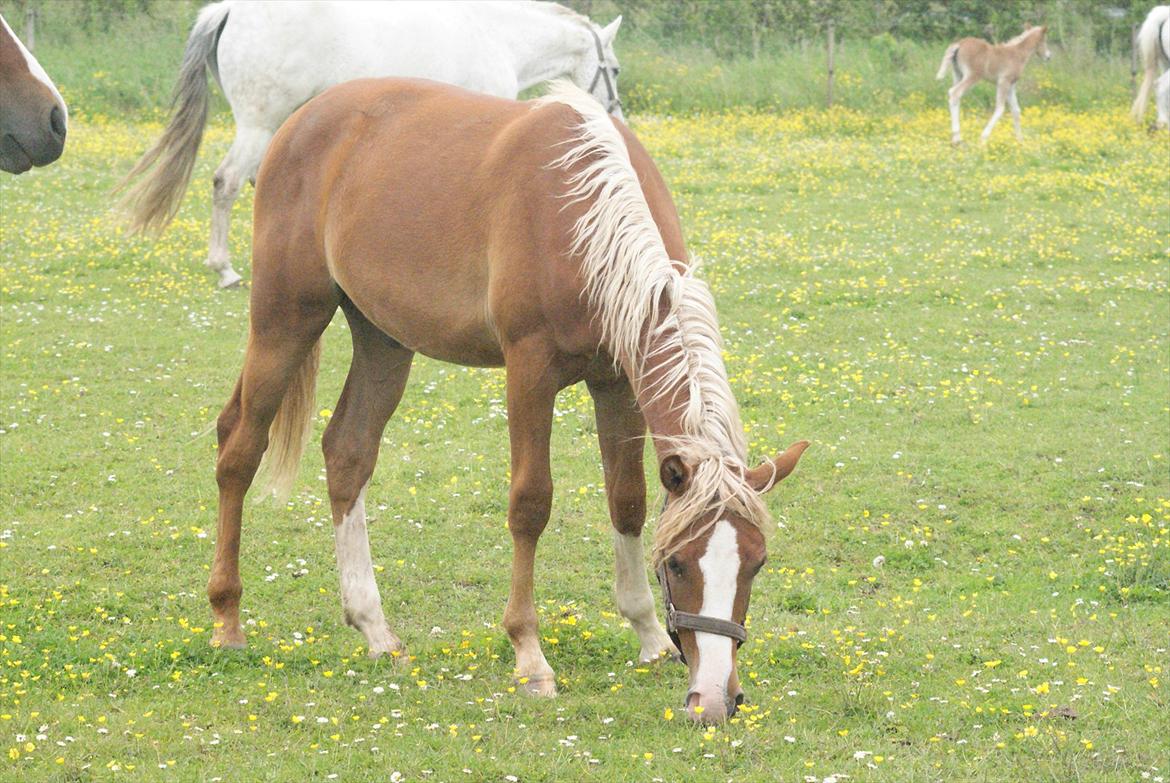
<point>57,122</point>
<point>739,699</point>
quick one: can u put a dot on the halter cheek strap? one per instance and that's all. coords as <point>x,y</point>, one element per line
<point>676,620</point>
<point>603,73</point>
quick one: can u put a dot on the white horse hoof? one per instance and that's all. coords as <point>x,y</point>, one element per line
<point>229,279</point>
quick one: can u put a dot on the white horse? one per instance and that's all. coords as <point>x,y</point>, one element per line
<point>1153,42</point>
<point>271,57</point>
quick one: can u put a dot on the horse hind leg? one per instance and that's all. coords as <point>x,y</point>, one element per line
<point>240,164</point>
<point>954,97</point>
<point>620,435</point>
<point>272,360</point>
<point>373,388</point>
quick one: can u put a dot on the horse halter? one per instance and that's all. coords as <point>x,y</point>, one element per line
<point>614,101</point>
<point>676,620</point>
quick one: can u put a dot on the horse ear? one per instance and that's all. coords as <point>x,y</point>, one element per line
<point>610,31</point>
<point>769,474</point>
<point>674,474</point>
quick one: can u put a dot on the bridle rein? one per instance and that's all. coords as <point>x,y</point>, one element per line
<point>614,101</point>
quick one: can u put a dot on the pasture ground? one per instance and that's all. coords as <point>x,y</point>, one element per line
<point>975,340</point>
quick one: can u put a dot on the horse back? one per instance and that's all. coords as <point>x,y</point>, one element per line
<point>439,213</point>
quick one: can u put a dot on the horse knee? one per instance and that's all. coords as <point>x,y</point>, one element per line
<point>627,511</point>
<point>529,507</point>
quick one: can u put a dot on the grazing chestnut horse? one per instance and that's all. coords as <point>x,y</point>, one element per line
<point>486,232</point>
<point>32,114</point>
<point>973,59</point>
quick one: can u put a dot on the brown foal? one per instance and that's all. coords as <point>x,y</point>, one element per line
<point>481,231</point>
<point>973,60</point>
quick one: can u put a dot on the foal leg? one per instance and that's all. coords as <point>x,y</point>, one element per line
<point>1014,104</point>
<point>954,96</point>
<point>240,164</point>
<point>531,393</point>
<point>273,356</point>
<point>377,378</point>
<point>1001,92</point>
<point>620,434</point>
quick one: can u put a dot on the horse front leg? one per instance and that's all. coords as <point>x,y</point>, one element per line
<point>1014,104</point>
<point>620,435</point>
<point>1001,93</point>
<point>531,393</point>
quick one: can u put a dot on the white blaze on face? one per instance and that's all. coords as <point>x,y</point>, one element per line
<point>35,68</point>
<point>720,567</point>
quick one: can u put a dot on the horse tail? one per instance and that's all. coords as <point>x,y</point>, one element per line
<point>1147,46</point>
<point>164,171</point>
<point>951,57</point>
<point>290,429</point>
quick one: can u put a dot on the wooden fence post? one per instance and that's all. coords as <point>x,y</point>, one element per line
<point>1133,56</point>
<point>832,62</point>
<point>30,27</point>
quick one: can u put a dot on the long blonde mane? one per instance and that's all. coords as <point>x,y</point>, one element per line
<point>629,278</point>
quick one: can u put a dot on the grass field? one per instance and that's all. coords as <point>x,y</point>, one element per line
<point>969,579</point>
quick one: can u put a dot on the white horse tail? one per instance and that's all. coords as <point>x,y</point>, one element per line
<point>290,430</point>
<point>951,55</point>
<point>1148,55</point>
<point>165,169</point>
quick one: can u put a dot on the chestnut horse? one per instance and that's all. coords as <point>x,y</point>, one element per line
<point>973,59</point>
<point>33,116</point>
<point>483,231</point>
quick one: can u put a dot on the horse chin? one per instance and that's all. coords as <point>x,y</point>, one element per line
<point>13,158</point>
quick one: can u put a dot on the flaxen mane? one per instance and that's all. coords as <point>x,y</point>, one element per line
<point>628,274</point>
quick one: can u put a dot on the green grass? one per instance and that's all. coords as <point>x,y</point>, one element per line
<point>977,341</point>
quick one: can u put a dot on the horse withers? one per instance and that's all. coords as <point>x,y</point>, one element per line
<point>972,60</point>
<point>481,231</point>
<point>33,117</point>
<point>271,57</point>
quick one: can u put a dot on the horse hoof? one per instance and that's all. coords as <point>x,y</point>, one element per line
<point>229,279</point>
<point>666,653</point>
<point>225,640</point>
<point>538,686</point>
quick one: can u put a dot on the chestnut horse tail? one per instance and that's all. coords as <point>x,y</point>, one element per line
<point>164,171</point>
<point>952,56</point>
<point>290,429</point>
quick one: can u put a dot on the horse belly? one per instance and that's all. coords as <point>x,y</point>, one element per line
<point>425,307</point>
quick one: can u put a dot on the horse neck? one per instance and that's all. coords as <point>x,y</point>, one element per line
<point>1026,45</point>
<point>666,397</point>
<point>543,43</point>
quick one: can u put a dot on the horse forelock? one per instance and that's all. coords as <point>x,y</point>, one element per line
<point>650,306</point>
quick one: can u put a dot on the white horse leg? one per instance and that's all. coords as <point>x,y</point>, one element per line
<point>634,599</point>
<point>1014,103</point>
<point>954,96</point>
<point>360,599</point>
<point>1000,99</point>
<point>241,163</point>
<point>1162,99</point>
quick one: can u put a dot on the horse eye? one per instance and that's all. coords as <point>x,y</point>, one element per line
<point>675,566</point>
